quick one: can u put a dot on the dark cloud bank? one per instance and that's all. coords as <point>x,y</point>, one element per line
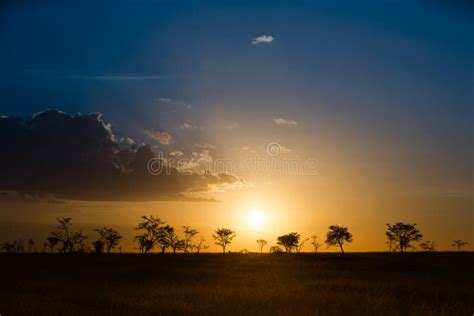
<point>78,157</point>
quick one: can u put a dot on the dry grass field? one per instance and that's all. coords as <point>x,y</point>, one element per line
<point>238,284</point>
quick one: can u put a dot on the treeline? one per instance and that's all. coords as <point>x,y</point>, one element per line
<point>154,234</point>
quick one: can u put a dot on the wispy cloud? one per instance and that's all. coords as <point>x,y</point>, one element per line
<point>285,122</point>
<point>188,125</point>
<point>117,77</point>
<point>163,99</point>
<point>176,153</point>
<point>162,137</point>
<point>262,39</point>
<point>205,146</point>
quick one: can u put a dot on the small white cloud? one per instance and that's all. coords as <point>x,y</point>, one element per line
<point>262,39</point>
<point>188,125</point>
<point>162,137</point>
<point>205,146</point>
<point>230,126</point>
<point>163,99</point>
<point>177,153</point>
<point>284,122</point>
<point>126,142</point>
<point>285,150</point>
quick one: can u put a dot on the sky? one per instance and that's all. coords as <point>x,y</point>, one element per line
<point>369,102</point>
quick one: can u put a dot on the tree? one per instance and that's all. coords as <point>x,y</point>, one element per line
<point>31,245</point>
<point>275,249</point>
<point>62,234</point>
<point>223,237</point>
<point>189,233</point>
<point>315,242</point>
<point>458,243</point>
<point>52,241</point>
<point>152,232</point>
<point>165,237</point>
<point>200,245</point>
<point>70,241</point>
<point>98,246</point>
<point>428,245</point>
<point>78,242</point>
<point>9,247</point>
<point>338,236</point>
<point>261,243</point>
<point>170,239</point>
<point>403,235</point>
<point>109,237</point>
<point>289,241</point>
<point>300,246</point>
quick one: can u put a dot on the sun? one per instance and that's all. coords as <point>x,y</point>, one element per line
<point>256,218</point>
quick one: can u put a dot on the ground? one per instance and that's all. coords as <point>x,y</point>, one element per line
<point>237,284</point>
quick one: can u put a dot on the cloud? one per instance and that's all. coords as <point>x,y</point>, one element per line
<point>176,153</point>
<point>262,39</point>
<point>162,137</point>
<point>205,146</point>
<point>284,122</point>
<point>284,150</point>
<point>162,99</point>
<point>79,158</point>
<point>116,77</point>
<point>188,125</point>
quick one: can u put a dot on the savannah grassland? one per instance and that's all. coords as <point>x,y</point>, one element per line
<point>238,284</point>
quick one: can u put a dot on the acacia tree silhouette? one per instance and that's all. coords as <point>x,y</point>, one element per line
<point>301,244</point>
<point>261,243</point>
<point>189,233</point>
<point>52,241</point>
<point>458,243</point>
<point>171,239</point>
<point>152,232</point>
<point>70,241</point>
<point>109,237</point>
<point>428,245</point>
<point>98,246</point>
<point>289,241</point>
<point>403,234</point>
<point>338,236</point>
<point>223,237</point>
<point>315,242</point>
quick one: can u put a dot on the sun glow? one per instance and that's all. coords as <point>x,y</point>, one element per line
<point>256,217</point>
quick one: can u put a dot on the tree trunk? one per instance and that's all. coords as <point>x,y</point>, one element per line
<point>342,249</point>
<point>223,249</point>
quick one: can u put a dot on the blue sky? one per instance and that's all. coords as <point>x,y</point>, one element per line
<point>384,70</point>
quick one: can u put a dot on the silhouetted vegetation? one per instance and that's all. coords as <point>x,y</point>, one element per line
<point>261,243</point>
<point>223,237</point>
<point>289,241</point>
<point>189,234</point>
<point>109,237</point>
<point>315,242</point>
<point>154,233</point>
<point>428,245</point>
<point>70,241</point>
<point>338,236</point>
<point>458,243</point>
<point>403,235</point>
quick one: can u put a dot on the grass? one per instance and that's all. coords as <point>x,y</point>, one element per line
<point>238,284</point>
